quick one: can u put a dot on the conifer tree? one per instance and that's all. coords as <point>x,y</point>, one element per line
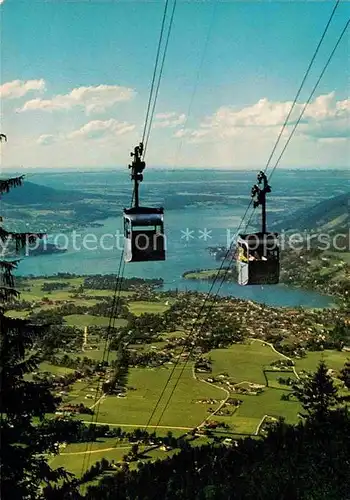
<point>317,394</point>
<point>26,437</point>
<point>345,374</point>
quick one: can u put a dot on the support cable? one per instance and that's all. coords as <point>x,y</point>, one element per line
<point>105,356</point>
<point>99,388</point>
<point>311,96</point>
<point>159,80</point>
<point>155,70</point>
<point>194,90</point>
<point>230,248</point>
<point>302,84</point>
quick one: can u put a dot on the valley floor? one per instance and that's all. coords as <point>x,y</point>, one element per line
<point>247,383</point>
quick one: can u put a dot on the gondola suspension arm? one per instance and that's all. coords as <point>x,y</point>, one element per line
<point>137,167</point>
<point>260,195</point>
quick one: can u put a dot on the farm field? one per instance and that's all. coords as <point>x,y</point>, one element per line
<point>56,370</point>
<point>137,406</point>
<point>135,409</point>
<point>240,364</point>
<point>106,293</point>
<point>17,314</point>
<point>205,274</point>
<point>243,362</point>
<point>31,290</point>
<point>334,360</point>
<point>248,416</point>
<point>72,456</point>
<point>89,320</point>
<point>273,376</point>
<point>141,307</point>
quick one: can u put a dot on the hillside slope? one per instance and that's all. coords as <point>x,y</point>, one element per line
<point>49,209</point>
<point>327,215</point>
<point>33,194</point>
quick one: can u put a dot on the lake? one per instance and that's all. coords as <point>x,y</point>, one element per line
<point>202,208</point>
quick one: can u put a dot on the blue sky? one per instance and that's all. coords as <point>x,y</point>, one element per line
<point>230,72</point>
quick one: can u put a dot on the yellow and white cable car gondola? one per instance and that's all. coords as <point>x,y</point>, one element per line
<point>257,259</point>
<point>144,238</point>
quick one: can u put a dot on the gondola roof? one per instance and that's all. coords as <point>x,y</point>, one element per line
<point>143,210</point>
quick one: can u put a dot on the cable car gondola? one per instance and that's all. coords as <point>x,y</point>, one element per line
<point>144,238</point>
<point>258,253</point>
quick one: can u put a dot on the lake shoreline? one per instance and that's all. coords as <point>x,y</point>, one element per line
<point>210,274</point>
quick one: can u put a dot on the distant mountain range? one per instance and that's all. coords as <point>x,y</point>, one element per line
<point>327,215</point>
<point>83,207</point>
<point>36,194</point>
<point>45,207</point>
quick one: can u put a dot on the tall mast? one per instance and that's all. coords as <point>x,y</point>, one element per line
<point>260,194</point>
<point>137,166</point>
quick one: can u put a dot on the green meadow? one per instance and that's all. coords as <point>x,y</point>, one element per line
<point>177,388</point>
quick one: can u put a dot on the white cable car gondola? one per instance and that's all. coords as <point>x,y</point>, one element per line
<point>144,238</point>
<point>144,234</point>
<point>257,259</point>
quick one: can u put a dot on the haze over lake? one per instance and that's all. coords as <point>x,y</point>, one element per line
<point>202,208</point>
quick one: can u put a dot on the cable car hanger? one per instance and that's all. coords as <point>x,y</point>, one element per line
<point>260,195</point>
<point>258,253</point>
<point>137,167</point>
<point>143,226</point>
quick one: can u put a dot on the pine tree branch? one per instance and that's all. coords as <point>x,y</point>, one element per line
<point>20,239</point>
<point>7,184</point>
<point>6,294</point>
<point>6,270</point>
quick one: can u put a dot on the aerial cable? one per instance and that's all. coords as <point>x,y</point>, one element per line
<point>159,80</point>
<point>229,250</point>
<point>105,355</point>
<point>202,308</point>
<point>302,84</point>
<point>301,115</point>
<point>111,327</point>
<point>200,67</point>
<point>222,264</point>
<point>188,112</point>
<point>116,297</point>
<point>155,70</point>
<point>214,298</point>
<point>296,97</point>
<point>311,96</point>
<point>293,131</point>
<point>115,309</point>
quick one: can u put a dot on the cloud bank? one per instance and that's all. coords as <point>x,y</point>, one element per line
<point>93,130</point>
<point>19,88</point>
<point>324,117</point>
<point>93,99</point>
<point>169,120</point>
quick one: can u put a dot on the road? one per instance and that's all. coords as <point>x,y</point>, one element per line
<point>140,426</point>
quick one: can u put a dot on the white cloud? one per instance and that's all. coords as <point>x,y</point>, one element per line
<point>47,139</point>
<point>93,99</point>
<point>169,120</point>
<point>91,131</point>
<point>19,88</point>
<point>324,117</point>
<point>183,132</point>
<point>232,137</point>
<point>99,129</point>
